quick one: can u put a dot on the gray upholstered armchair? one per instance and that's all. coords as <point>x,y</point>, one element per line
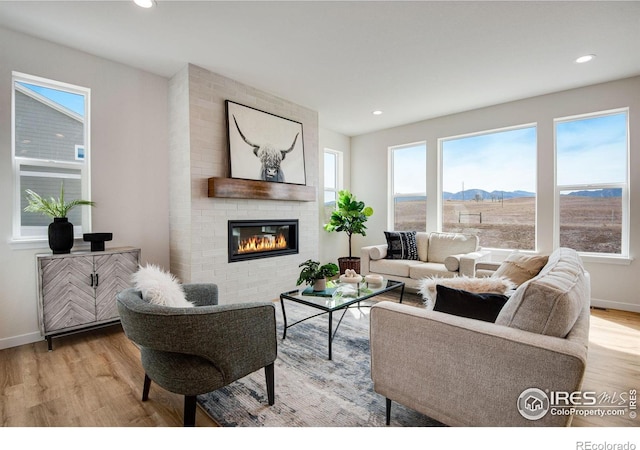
<point>192,351</point>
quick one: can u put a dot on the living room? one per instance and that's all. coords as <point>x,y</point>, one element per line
<point>157,139</point>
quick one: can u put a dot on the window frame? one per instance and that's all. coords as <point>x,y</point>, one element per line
<point>440,202</point>
<point>83,165</point>
<point>338,173</point>
<point>624,186</point>
<point>391,195</point>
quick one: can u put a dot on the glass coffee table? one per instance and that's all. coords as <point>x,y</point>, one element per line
<point>328,303</point>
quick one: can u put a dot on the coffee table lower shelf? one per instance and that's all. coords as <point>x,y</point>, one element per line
<point>327,305</point>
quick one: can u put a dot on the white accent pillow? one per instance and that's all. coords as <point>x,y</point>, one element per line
<point>378,252</point>
<point>160,287</point>
<point>452,263</point>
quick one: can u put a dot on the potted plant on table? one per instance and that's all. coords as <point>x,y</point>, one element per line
<point>349,216</point>
<point>315,274</point>
<point>60,231</point>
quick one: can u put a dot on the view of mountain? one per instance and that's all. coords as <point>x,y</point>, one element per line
<point>472,194</point>
<point>604,193</point>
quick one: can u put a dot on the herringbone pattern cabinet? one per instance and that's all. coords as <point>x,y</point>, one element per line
<point>78,291</point>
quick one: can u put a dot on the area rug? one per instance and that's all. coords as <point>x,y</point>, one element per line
<point>310,390</point>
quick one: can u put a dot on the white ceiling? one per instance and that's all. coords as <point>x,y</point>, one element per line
<point>413,60</point>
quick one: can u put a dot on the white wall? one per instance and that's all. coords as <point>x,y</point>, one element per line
<point>333,245</point>
<point>613,285</point>
<point>129,165</point>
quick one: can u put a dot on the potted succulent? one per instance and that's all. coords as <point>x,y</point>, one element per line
<point>315,274</point>
<point>349,216</point>
<point>60,231</point>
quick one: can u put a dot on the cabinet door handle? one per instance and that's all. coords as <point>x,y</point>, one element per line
<point>97,280</point>
<point>91,280</point>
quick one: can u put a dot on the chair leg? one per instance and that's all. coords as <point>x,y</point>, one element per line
<point>145,389</point>
<point>388,411</point>
<point>189,410</point>
<point>269,374</point>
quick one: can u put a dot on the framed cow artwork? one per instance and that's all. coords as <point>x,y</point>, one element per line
<point>263,146</point>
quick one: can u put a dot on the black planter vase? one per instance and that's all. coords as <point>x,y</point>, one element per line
<point>60,235</point>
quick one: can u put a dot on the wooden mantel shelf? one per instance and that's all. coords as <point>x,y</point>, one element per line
<point>260,190</point>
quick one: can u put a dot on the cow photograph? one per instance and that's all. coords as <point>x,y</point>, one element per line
<point>263,146</point>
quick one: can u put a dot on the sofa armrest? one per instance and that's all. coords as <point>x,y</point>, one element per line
<point>468,261</point>
<point>371,252</point>
<point>486,268</point>
<point>465,372</point>
<point>487,265</point>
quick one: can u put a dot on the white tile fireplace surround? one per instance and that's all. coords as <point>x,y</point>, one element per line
<point>198,223</point>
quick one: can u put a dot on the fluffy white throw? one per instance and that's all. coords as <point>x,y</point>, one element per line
<point>160,287</point>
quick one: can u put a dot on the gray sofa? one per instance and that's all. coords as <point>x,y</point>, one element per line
<point>439,255</point>
<point>466,372</point>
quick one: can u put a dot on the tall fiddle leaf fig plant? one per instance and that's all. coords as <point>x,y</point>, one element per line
<point>349,216</point>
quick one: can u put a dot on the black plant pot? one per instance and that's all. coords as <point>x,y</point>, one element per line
<point>60,235</point>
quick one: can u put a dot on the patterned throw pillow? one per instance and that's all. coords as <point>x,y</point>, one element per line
<point>401,245</point>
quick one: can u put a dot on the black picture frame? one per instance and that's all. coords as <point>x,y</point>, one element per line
<point>264,146</point>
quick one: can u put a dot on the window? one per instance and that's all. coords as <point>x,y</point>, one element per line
<point>50,148</point>
<point>408,174</point>
<point>592,191</point>
<point>489,187</point>
<point>332,180</point>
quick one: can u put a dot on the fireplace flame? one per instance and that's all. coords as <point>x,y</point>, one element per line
<point>262,243</point>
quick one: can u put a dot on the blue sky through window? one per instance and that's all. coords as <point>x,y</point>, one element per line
<point>589,150</point>
<point>74,102</point>
<point>592,150</point>
<point>410,169</point>
<point>499,161</point>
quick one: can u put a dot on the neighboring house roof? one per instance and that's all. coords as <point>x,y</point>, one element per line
<point>47,101</point>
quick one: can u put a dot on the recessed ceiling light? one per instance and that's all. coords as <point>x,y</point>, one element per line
<point>585,58</point>
<point>377,112</point>
<point>144,3</point>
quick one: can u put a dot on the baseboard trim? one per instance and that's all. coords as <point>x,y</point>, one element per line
<point>23,339</point>
<point>608,304</point>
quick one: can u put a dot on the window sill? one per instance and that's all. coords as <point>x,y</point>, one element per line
<point>41,243</point>
<point>498,255</point>
<point>606,259</point>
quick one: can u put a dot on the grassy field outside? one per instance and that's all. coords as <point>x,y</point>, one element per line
<point>588,224</point>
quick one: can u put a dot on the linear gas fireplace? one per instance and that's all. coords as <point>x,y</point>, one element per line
<point>251,239</point>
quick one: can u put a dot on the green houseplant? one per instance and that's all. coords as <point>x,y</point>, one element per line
<point>316,275</point>
<point>349,216</point>
<point>60,231</point>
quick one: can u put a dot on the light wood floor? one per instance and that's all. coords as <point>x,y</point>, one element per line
<point>94,379</point>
